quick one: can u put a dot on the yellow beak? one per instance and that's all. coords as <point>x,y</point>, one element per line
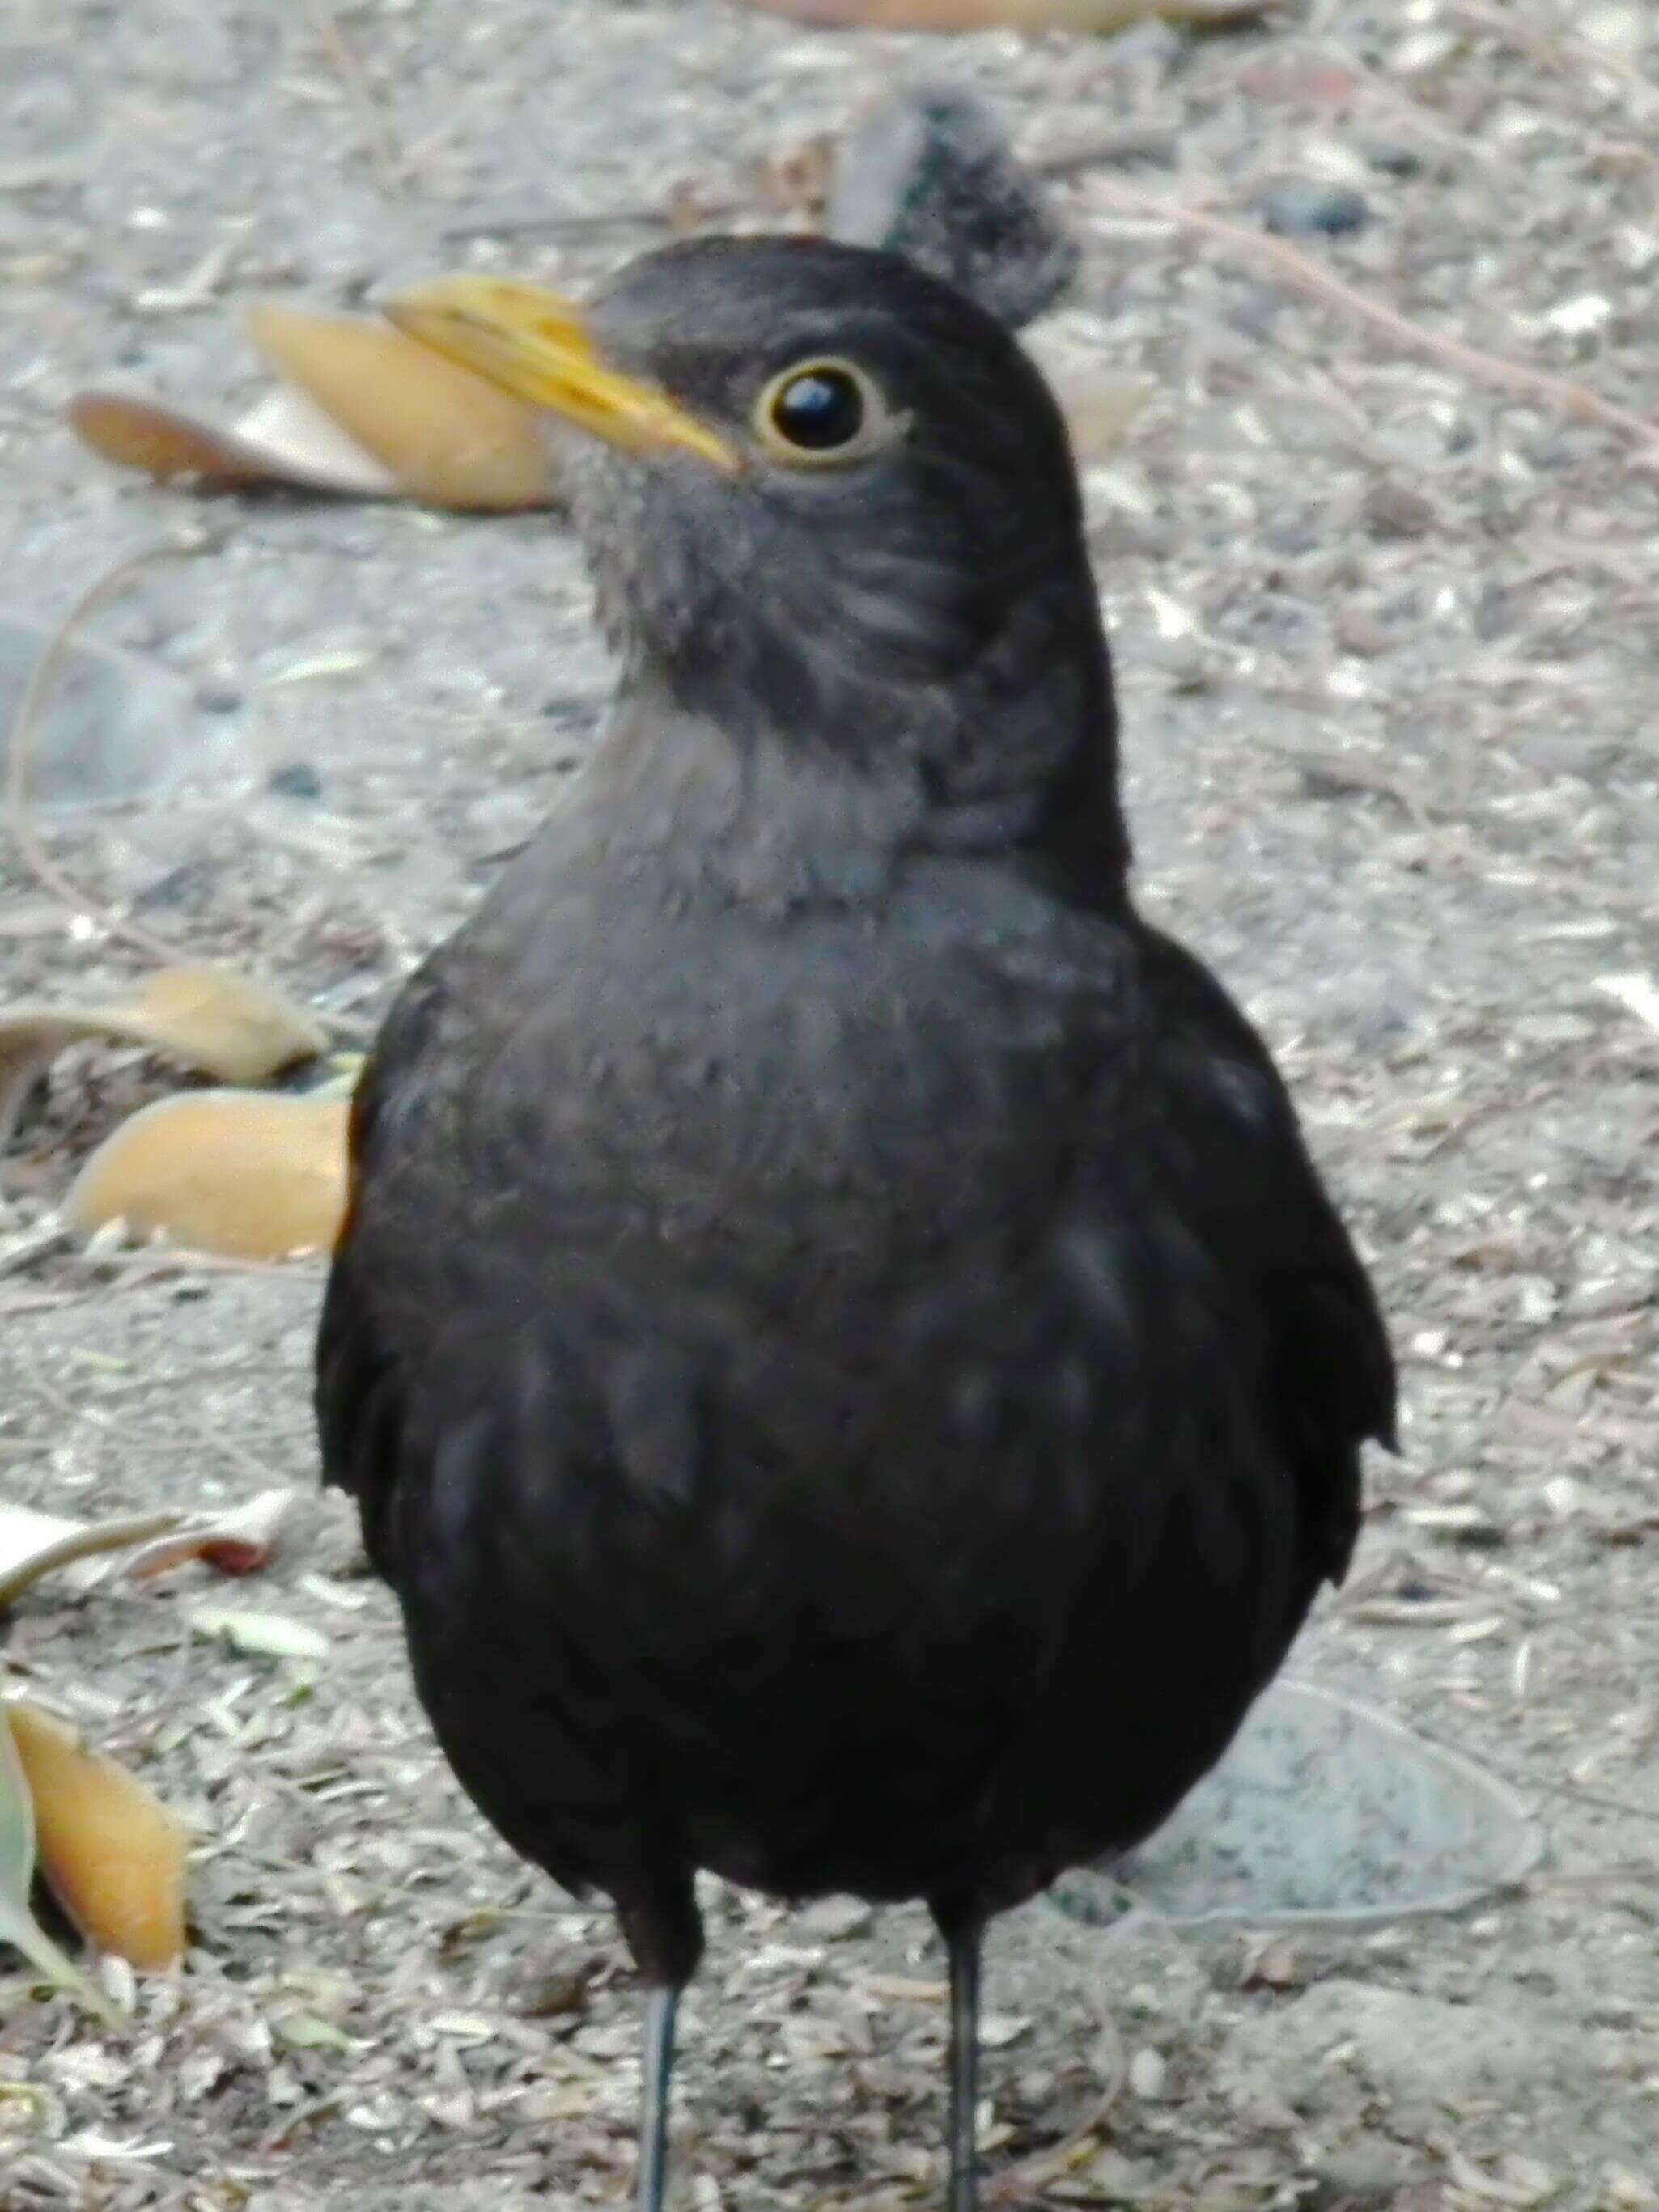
<point>535,345</point>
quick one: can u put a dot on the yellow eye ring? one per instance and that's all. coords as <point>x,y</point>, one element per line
<point>823,414</point>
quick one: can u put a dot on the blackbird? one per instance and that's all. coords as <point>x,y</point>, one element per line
<point>836,1339</point>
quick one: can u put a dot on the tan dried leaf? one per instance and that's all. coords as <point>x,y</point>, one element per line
<point>217,1022</point>
<point>362,411</point>
<point>446,437</point>
<point>113,1854</point>
<point>234,1172</point>
<point>18,1859</point>
<point>135,432</point>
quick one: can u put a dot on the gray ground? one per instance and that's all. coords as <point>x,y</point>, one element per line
<point>1389,669</point>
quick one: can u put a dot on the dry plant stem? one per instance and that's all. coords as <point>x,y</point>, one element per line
<point>20,746</point>
<point>377,137</point>
<point>1034,2174</point>
<point>1307,274</point>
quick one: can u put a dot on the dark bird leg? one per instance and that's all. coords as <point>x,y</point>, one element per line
<point>964,2064</point>
<point>664,1932</point>
<point>660,2007</point>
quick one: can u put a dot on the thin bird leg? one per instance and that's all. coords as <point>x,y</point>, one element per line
<point>964,2066</point>
<point>660,2008</point>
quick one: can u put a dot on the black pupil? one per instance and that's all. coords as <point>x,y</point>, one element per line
<point>820,410</point>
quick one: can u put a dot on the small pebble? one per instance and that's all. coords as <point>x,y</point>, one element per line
<point>1305,208</point>
<point>1395,510</point>
<point>1393,161</point>
<point>295,780</point>
<point>1147,2074</point>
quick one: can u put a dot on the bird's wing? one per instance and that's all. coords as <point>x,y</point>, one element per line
<point>1233,1149</point>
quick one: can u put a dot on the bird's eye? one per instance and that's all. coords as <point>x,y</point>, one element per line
<point>822,412</point>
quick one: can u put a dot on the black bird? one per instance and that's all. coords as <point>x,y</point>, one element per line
<point>837,1341</point>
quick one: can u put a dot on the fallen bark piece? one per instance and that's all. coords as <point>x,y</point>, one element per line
<point>112,1855</point>
<point>238,1173</point>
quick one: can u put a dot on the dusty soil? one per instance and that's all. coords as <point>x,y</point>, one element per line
<point>1389,669</point>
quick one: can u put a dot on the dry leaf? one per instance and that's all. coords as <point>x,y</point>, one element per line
<point>447,436</point>
<point>114,1855</point>
<point>1094,17</point>
<point>236,1172</point>
<point>362,411</point>
<point>18,1925</point>
<point>220,1024</point>
<point>260,1635</point>
<point>239,1542</point>
<point>1099,409</point>
<point>285,439</point>
<point>35,1544</point>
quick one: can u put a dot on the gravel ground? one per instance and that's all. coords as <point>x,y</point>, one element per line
<point>1388,665</point>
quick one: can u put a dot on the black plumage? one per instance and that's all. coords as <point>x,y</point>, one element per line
<point>837,1341</point>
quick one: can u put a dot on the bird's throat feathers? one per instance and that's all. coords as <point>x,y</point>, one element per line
<point>810,731</point>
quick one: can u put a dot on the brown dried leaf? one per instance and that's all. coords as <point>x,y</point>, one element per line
<point>234,1172</point>
<point>220,1024</point>
<point>445,435</point>
<point>138,433</point>
<point>114,1855</point>
<point>364,411</point>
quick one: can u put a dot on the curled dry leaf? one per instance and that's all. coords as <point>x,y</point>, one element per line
<point>220,1024</point>
<point>1098,17</point>
<point>446,437</point>
<point>112,1853</point>
<point>241,1541</point>
<point>18,1926</point>
<point>234,1172</point>
<point>285,439</point>
<point>33,1545</point>
<point>362,409</point>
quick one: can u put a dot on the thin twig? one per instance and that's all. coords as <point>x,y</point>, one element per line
<point>371,120</point>
<point>20,744</point>
<point>1309,276</point>
<point>1043,2167</point>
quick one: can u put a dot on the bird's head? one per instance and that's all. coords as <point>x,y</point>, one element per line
<point>827,498</point>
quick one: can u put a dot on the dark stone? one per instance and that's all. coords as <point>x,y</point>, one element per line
<point>295,780</point>
<point>1393,161</point>
<point>1305,208</point>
